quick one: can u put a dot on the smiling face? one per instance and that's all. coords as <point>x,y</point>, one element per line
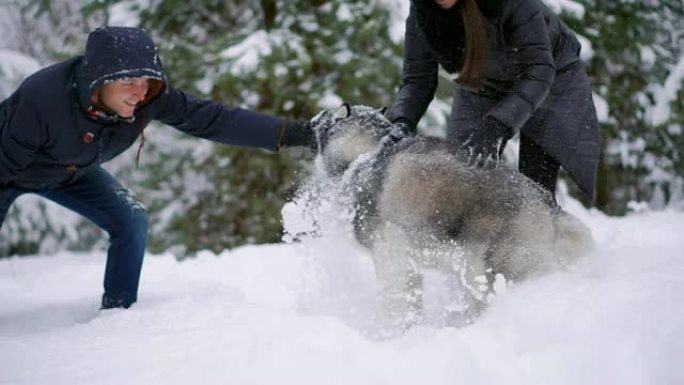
<point>123,96</point>
<point>446,4</point>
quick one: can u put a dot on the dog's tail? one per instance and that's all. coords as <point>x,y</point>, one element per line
<point>573,238</point>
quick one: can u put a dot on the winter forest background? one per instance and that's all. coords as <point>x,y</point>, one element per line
<point>294,58</point>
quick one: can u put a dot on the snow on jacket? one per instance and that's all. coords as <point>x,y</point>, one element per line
<point>48,138</point>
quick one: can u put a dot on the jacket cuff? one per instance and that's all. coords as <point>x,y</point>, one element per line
<point>497,129</point>
<point>513,111</point>
<point>409,124</point>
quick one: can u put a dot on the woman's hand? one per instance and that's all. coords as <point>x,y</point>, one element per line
<point>485,145</point>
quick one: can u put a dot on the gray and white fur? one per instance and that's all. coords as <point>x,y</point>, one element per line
<point>416,205</point>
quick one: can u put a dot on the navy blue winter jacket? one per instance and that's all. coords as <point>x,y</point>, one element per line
<point>48,138</point>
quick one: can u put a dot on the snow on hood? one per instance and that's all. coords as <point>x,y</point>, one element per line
<point>115,53</point>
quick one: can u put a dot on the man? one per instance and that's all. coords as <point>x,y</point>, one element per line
<point>67,119</point>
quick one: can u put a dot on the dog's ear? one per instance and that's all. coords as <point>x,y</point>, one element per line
<point>343,112</point>
<point>382,110</point>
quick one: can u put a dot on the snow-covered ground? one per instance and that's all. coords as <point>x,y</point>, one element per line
<point>305,313</point>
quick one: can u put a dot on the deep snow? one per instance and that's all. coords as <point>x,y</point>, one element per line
<point>305,313</point>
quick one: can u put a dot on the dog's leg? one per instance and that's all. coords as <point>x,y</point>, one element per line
<point>399,277</point>
<point>464,274</point>
<point>526,248</point>
<point>473,277</point>
<point>573,238</point>
<point>414,290</point>
<point>400,289</point>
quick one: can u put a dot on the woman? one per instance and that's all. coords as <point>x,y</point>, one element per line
<point>519,72</point>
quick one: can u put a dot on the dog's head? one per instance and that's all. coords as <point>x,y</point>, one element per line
<point>347,132</point>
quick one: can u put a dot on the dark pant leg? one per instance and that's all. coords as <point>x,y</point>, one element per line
<point>537,165</point>
<point>7,197</point>
<point>100,198</point>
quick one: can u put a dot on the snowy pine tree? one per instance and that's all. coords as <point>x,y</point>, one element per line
<point>638,68</point>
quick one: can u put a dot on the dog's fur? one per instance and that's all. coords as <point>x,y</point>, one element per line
<point>418,204</point>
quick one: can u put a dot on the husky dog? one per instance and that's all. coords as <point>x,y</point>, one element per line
<point>417,204</point>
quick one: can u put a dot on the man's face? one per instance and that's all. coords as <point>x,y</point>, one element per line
<point>446,4</point>
<point>122,96</point>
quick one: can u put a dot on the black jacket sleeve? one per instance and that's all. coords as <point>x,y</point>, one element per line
<point>419,76</point>
<point>217,122</point>
<point>525,28</point>
<point>22,133</point>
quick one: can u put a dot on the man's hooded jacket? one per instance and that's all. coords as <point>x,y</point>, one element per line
<point>51,134</point>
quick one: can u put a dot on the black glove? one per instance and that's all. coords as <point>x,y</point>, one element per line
<point>484,146</point>
<point>299,133</point>
<point>401,129</point>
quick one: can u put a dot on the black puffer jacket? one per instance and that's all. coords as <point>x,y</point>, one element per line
<point>47,137</point>
<point>534,80</point>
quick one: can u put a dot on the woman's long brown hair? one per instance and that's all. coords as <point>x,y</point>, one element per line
<point>477,44</point>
